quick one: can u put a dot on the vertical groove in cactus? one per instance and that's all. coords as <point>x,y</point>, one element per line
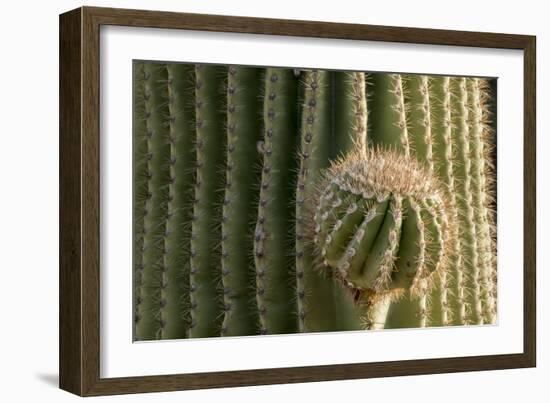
<point>141,186</point>
<point>151,312</point>
<point>241,201</point>
<point>463,188</point>
<point>205,273</point>
<point>179,201</point>
<point>261,206</point>
<point>273,243</point>
<point>482,200</point>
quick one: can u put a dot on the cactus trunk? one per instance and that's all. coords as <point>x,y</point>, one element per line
<point>275,200</point>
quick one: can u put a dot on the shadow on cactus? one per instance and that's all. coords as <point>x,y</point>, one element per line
<point>276,201</point>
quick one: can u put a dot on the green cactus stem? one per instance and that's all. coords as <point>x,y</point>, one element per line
<point>175,294</point>
<point>151,309</point>
<point>205,273</point>
<point>273,242</point>
<point>240,205</point>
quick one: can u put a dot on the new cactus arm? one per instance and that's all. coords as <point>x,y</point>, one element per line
<point>151,309</point>
<point>273,245</point>
<point>205,272</point>
<point>181,104</point>
<point>241,200</point>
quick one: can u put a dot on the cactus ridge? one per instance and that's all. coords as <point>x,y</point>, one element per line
<point>180,189</point>
<point>141,188</point>
<point>206,300</point>
<point>465,198</point>
<point>240,201</point>
<point>481,152</point>
<point>152,320</point>
<point>275,298</point>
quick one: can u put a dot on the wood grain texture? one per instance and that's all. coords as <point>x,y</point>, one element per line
<point>79,201</point>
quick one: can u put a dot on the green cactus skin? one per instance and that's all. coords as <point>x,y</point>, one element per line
<point>388,115</point>
<point>241,200</point>
<point>273,243</point>
<point>350,112</point>
<point>151,310</point>
<point>463,187</point>
<point>205,271</point>
<point>175,294</point>
<point>141,185</point>
<point>480,153</point>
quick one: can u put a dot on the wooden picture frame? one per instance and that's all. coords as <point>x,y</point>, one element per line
<point>79,347</point>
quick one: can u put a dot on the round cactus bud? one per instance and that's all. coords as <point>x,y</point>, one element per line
<point>380,223</point>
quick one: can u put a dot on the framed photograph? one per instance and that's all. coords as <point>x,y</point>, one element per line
<point>249,201</point>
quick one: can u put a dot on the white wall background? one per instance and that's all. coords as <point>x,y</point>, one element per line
<point>29,198</point>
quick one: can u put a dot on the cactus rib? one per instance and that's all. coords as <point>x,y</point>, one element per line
<point>240,202</point>
<point>272,242</point>
<point>151,312</point>
<point>205,272</point>
<point>180,189</point>
<point>463,187</point>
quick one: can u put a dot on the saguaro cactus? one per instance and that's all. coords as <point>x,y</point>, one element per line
<point>271,201</point>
